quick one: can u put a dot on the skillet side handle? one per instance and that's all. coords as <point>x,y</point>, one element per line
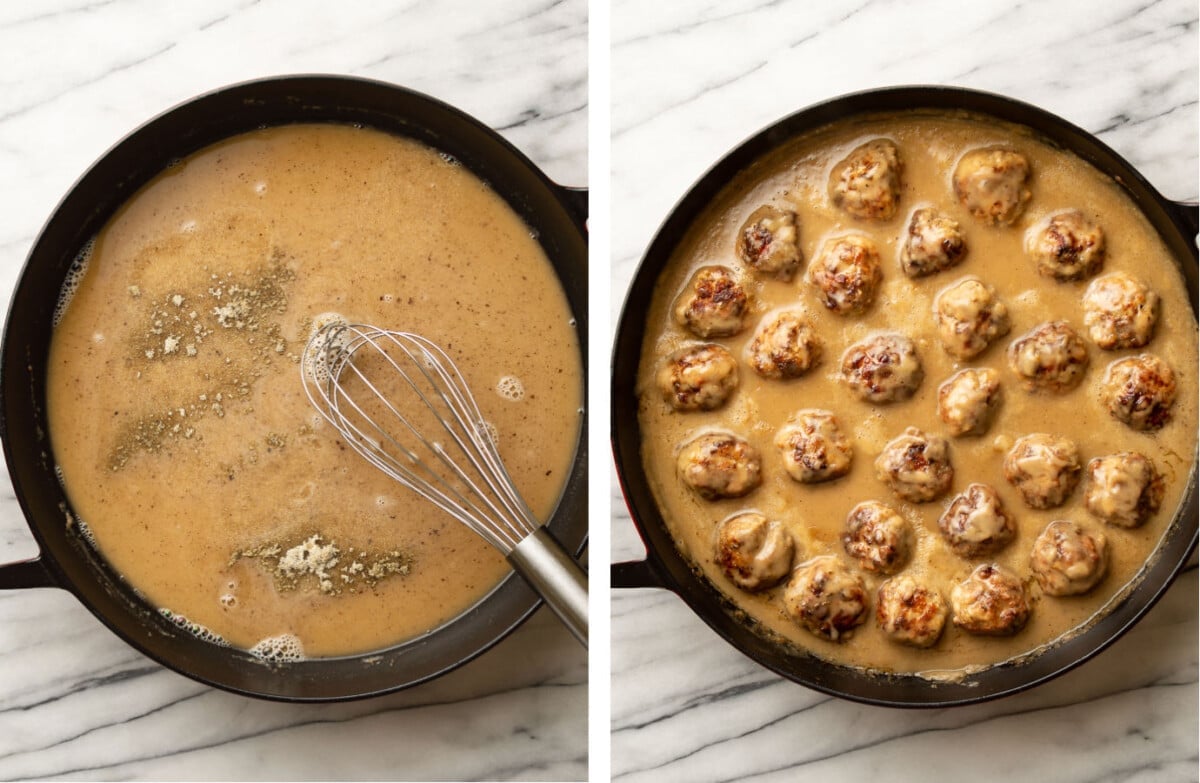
<point>1188,213</point>
<point>26,573</point>
<point>576,200</point>
<point>635,573</point>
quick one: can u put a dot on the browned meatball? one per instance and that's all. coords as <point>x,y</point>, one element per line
<point>1119,311</point>
<point>813,447</point>
<point>1123,489</point>
<point>754,552</point>
<point>934,242</point>
<point>882,368</point>
<point>720,465</point>
<point>1049,357</point>
<point>975,523</point>
<point>846,274</point>
<point>1139,391</point>
<point>867,182</point>
<point>785,346</point>
<point>1043,468</point>
<point>991,601</point>
<point>916,466</point>
<point>877,537</point>
<point>910,612</point>
<point>968,400</point>
<point>714,304</point>
<point>1067,246</point>
<point>698,378</point>
<point>768,242</point>
<point>826,597</point>
<point>1068,559</point>
<point>969,317</point>
<point>993,184</point>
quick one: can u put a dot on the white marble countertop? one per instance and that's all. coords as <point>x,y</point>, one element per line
<point>688,84</point>
<point>75,701</point>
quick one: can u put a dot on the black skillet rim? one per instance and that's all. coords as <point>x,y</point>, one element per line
<point>664,567</point>
<point>557,213</point>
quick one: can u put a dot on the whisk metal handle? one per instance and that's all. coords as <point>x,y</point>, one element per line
<point>556,577</point>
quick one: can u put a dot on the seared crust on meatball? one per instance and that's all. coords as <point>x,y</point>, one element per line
<point>754,552</point>
<point>1043,468</point>
<point>882,368</point>
<point>785,346</point>
<point>1119,311</point>
<point>1139,391</point>
<point>1067,246</point>
<point>720,465</point>
<point>975,523</point>
<point>1068,559</point>
<point>932,243</point>
<point>993,184</point>
<point>768,242</point>
<point>991,601</point>
<point>1123,489</point>
<point>969,317</point>
<point>877,537</point>
<point>813,447</point>
<point>909,612</point>
<point>846,274</point>
<point>967,400</point>
<point>916,466</point>
<point>826,597</point>
<point>1049,357</point>
<point>698,378</point>
<point>714,304</point>
<point>867,182</point>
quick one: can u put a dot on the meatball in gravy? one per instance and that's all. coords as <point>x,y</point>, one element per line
<point>991,601</point>
<point>910,612</point>
<point>866,184</point>
<point>882,368</point>
<point>1119,311</point>
<point>813,447</point>
<point>1068,559</point>
<point>785,346</point>
<point>768,242</point>
<point>1050,357</point>
<point>969,317</point>
<point>993,184</point>
<point>1123,489</point>
<point>1067,246</point>
<point>916,466</point>
<point>1139,392</point>
<point>968,400</point>
<point>933,242</point>
<point>877,537</point>
<point>975,523</point>
<point>824,596</point>
<point>720,465</point>
<point>699,378</point>
<point>1043,468</point>
<point>754,552</point>
<point>846,274</point>
<point>714,304</point>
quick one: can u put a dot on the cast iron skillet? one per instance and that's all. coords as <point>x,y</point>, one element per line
<point>665,568</point>
<point>557,214</point>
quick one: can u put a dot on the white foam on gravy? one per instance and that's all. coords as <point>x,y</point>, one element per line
<point>796,176</point>
<point>186,445</point>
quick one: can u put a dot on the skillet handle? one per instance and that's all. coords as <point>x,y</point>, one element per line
<point>26,573</point>
<point>635,573</point>
<point>1188,213</point>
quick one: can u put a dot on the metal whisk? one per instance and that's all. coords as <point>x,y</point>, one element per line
<point>399,401</point>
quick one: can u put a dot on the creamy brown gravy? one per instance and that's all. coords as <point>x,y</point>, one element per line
<point>796,176</point>
<point>178,455</point>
